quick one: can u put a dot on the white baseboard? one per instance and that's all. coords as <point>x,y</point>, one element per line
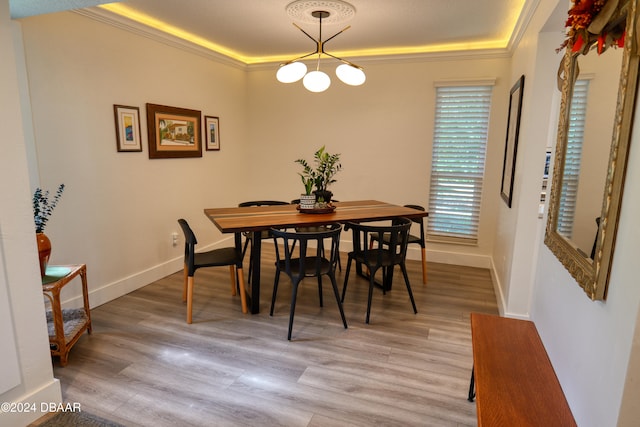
<point>111,291</point>
<point>497,289</point>
<point>37,400</point>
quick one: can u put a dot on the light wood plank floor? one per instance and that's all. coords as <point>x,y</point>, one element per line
<point>144,366</point>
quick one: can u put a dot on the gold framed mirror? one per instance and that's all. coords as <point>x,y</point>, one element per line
<point>596,113</point>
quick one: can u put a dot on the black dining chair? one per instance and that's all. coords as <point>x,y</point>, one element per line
<point>213,258</point>
<point>314,228</point>
<point>412,239</point>
<point>248,236</point>
<point>384,257</point>
<point>299,264</point>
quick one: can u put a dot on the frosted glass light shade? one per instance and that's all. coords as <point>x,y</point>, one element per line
<point>316,81</point>
<point>291,72</point>
<point>350,75</point>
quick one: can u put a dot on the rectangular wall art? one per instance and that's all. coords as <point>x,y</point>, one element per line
<point>127,128</point>
<point>511,144</point>
<point>173,132</point>
<point>212,130</point>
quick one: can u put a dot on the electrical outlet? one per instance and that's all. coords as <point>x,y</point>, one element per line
<point>174,238</point>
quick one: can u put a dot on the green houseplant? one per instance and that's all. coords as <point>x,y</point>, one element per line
<point>43,207</point>
<point>322,174</point>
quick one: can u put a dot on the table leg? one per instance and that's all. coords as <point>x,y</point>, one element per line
<point>85,297</point>
<point>256,248</point>
<point>56,312</point>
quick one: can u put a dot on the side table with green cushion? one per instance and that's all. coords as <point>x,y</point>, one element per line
<point>65,326</point>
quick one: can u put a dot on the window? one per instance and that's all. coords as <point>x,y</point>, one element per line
<point>573,157</point>
<point>458,158</point>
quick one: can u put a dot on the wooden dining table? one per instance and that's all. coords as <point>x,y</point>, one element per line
<point>256,219</point>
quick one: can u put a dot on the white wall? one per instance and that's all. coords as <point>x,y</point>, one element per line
<point>518,227</point>
<point>119,209</point>
<point>589,343</point>
<point>384,131</point>
<point>29,379</point>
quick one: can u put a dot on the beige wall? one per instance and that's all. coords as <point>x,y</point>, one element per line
<point>119,209</point>
<point>384,130</point>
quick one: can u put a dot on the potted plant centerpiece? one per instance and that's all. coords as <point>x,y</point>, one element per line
<point>42,210</point>
<point>326,167</point>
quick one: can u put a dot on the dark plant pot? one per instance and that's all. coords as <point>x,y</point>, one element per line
<point>325,195</point>
<point>44,251</point>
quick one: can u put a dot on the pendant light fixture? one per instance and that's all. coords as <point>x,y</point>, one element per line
<point>317,80</point>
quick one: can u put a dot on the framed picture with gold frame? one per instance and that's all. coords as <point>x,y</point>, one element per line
<point>173,132</point>
<point>127,128</point>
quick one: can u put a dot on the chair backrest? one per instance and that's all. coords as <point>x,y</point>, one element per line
<point>262,203</point>
<point>190,243</point>
<point>375,256</point>
<point>295,244</point>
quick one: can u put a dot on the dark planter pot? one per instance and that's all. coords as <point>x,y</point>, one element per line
<point>325,195</point>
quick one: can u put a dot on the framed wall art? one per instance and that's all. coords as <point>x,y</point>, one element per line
<point>173,132</point>
<point>212,132</point>
<point>511,143</point>
<point>127,128</point>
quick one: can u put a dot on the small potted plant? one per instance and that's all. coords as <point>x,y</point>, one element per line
<point>42,210</point>
<point>326,167</point>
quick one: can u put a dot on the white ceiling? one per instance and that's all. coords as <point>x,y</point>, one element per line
<point>255,31</point>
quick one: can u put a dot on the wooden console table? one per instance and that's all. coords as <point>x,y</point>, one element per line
<point>515,384</point>
<point>65,326</point>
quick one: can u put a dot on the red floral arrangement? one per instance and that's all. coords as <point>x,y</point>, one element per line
<point>595,21</point>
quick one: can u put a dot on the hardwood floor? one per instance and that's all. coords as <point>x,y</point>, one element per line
<point>144,366</point>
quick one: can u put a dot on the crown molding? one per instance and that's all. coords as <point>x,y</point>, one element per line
<point>528,9</point>
<point>461,55</point>
<point>123,23</point>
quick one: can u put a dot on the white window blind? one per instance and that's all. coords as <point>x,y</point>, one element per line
<point>458,159</point>
<point>573,156</point>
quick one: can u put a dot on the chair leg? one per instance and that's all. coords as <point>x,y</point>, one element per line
<point>232,273</point>
<point>244,251</point>
<point>371,284</point>
<point>292,311</point>
<point>275,291</point>
<point>337,294</point>
<point>406,281</point>
<point>320,289</point>
<point>346,279</point>
<point>243,292</point>
<point>190,299</point>
<point>184,288</point>
<point>424,266</point>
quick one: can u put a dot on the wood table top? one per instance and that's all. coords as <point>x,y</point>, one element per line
<point>256,218</point>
